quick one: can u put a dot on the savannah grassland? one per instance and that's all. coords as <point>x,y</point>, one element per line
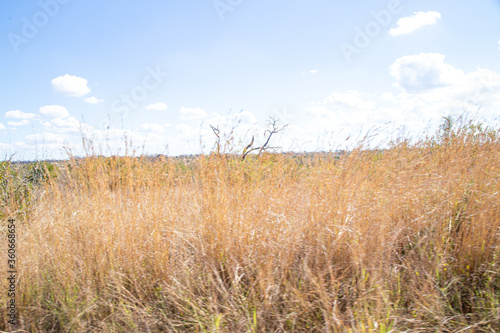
<point>402,239</point>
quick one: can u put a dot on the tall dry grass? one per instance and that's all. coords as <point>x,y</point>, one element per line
<point>404,239</point>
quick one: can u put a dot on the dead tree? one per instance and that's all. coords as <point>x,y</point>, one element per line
<point>217,134</point>
<point>273,130</point>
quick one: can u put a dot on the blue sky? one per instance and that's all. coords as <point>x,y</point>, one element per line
<point>160,72</point>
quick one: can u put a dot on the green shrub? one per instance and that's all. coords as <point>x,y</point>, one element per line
<point>18,183</point>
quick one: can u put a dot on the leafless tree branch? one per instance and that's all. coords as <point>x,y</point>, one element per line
<point>273,123</point>
<point>217,134</point>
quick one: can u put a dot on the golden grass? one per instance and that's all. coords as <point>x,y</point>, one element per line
<point>406,239</point>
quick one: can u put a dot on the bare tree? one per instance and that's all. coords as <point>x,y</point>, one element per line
<point>273,123</point>
<point>274,128</point>
<point>217,134</point>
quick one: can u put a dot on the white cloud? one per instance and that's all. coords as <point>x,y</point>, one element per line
<point>63,125</point>
<point>23,122</point>
<point>499,44</point>
<point>157,106</point>
<point>343,109</point>
<point>2,126</point>
<point>117,137</point>
<point>430,88</point>
<point>70,85</point>
<point>155,128</point>
<point>185,130</point>
<point>246,117</point>
<point>312,71</point>
<point>192,113</point>
<point>424,71</point>
<point>16,114</point>
<point>54,111</point>
<point>417,21</point>
<point>351,99</point>
<point>45,137</point>
<point>388,97</point>
<point>318,110</point>
<point>242,119</point>
<point>93,100</point>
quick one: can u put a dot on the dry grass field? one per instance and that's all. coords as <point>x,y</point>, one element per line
<point>394,240</point>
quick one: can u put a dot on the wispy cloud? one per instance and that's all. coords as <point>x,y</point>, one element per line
<point>54,111</point>
<point>157,106</point>
<point>154,127</point>
<point>192,113</point>
<point>23,122</point>
<point>312,71</point>
<point>414,22</point>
